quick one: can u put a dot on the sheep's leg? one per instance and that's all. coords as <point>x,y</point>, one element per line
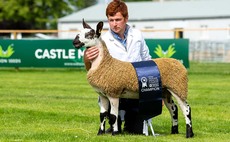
<point>186,109</point>
<point>173,110</point>
<point>104,106</point>
<point>114,103</point>
<point>187,114</point>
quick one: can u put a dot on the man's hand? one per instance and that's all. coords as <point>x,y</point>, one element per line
<point>89,55</point>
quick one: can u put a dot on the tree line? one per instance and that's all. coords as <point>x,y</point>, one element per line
<point>39,14</point>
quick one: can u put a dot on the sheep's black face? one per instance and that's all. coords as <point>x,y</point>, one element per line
<point>87,37</point>
<point>77,43</point>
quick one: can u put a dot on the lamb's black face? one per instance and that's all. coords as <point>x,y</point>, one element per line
<point>87,37</point>
<point>77,43</point>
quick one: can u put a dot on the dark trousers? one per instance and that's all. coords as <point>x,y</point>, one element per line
<point>133,120</point>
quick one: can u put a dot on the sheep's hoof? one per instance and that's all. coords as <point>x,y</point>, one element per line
<point>109,130</point>
<point>189,132</point>
<point>174,130</point>
<point>101,132</point>
<point>114,133</point>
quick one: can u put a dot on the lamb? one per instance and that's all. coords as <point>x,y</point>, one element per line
<point>113,79</point>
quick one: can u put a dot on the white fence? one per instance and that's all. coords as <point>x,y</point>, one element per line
<point>209,51</point>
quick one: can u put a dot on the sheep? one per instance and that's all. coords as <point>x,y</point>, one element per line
<point>113,79</point>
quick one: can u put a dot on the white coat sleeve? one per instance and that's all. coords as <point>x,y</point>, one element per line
<point>145,55</point>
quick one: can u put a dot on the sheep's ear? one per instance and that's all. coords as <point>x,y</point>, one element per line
<point>99,28</point>
<point>85,25</point>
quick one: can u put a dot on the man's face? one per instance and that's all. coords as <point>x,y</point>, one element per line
<point>117,23</point>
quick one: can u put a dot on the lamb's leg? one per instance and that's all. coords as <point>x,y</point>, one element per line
<point>186,109</point>
<point>173,110</point>
<point>187,114</point>
<point>114,103</point>
<point>104,106</point>
<point>188,118</point>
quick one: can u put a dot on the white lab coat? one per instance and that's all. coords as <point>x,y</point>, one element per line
<point>135,50</point>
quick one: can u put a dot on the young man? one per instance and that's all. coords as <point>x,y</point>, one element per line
<point>125,44</point>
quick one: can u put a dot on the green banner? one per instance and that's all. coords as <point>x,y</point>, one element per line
<point>61,53</point>
<point>170,48</point>
<point>39,53</point>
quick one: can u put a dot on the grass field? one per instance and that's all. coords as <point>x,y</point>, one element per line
<point>59,105</point>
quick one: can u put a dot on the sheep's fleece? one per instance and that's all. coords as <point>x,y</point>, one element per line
<point>119,76</point>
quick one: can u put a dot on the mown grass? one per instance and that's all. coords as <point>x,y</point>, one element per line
<point>59,105</point>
